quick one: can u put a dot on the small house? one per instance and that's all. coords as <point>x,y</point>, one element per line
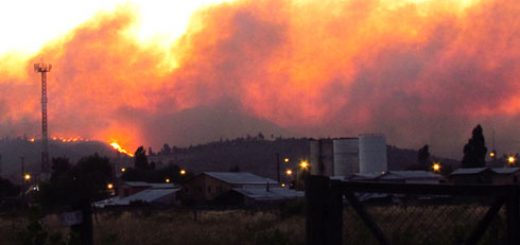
<point>208,185</point>
<point>481,175</point>
<point>506,176</point>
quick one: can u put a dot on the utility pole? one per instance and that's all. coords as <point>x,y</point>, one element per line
<point>22,175</point>
<point>43,69</point>
<point>277,167</point>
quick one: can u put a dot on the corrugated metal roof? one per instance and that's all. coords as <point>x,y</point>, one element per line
<point>364,176</point>
<point>148,196</point>
<point>148,184</point>
<point>240,178</point>
<point>411,174</point>
<point>462,171</point>
<point>261,194</point>
<point>505,170</point>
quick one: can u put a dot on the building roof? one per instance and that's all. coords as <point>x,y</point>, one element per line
<point>505,170</point>
<point>147,196</point>
<point>262,194</point>
<point>240,178</point>
<point>409,174</point>
<point>465,171</point>
<point>148,184</point>
<point>360,176</point>
<point>402,174</point>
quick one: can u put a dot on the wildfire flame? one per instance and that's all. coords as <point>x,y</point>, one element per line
<point>120,149</point>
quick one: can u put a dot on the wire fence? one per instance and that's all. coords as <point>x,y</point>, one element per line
<point>423,219</point>
<point>391,213</point>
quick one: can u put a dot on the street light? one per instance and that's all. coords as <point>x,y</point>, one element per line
<point>182,172</point>
<point>167,180</point>
<point>436,167</point>
<point>304,165</point>
<point>288,172</point>
<point>110,186</point>
<point>286,160</point>
<point>492,154</point>
<point>27,177</point>
<point>511,160</point>
<point>123,170</point>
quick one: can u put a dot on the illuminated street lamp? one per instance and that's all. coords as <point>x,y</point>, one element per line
<point>123,170</point>
<point>492,154</point>
<point>27,177</point>
<point>288,172</point>
<point>304,165</point>
<point>167,180</point>
<point>110,186</point>
<point>511,160</point>
<point>436,167</point>
<point>182,172</point>
<point>286,160</point>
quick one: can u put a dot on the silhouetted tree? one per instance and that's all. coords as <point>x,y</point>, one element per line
<point>423,157</point>
<point>150,151</point>
<point>166,150</point>
<point>140,159</point>
<point>75,188</point>
<point>261,136</point>
<point>475,150</point>
<point>7,189</point>
<point>70,186</point>
<point>61,167</point>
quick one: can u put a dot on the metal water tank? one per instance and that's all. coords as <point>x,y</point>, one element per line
<point>372,153</point>
<point>346,156</point>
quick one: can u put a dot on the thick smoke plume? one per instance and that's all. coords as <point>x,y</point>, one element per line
<point>422,72</point>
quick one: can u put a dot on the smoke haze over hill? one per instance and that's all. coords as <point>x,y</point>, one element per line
<point>421,72</point>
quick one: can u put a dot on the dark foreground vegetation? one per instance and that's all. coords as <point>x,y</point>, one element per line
<point>144,226</point>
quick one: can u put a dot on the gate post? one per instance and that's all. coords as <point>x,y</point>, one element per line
<point>323,208</point>
<point>513,216</point>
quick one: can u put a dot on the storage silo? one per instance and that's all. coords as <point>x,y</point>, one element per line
<point>372,153</point>
<point>346,156</point>
<point>321,157</point>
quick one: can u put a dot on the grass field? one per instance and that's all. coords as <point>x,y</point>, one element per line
<point>425,224</point>
<point>173,227</point>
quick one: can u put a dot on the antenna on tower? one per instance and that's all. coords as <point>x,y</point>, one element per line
<point>43,68</point>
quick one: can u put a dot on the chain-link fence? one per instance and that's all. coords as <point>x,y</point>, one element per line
<point>391,213</point>
<point>422,219</point>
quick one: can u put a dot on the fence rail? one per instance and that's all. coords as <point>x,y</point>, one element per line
<point>417,213</point>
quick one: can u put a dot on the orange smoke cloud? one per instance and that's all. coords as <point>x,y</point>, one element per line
<point>418,71</point>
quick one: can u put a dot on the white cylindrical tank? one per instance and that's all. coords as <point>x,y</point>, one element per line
<point>372,153</point>
<point>346,156</point>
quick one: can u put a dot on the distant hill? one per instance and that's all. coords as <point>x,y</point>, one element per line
<point>258,155</point>
<point>12,149</point>
<point>254,154</point>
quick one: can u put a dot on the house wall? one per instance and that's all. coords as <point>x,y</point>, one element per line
<point>483,178</point>
<point>205,188</point>
<point>506,179</point>
<point>423,181</point>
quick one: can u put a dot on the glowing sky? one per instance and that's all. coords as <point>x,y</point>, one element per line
<point>184,72</point>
